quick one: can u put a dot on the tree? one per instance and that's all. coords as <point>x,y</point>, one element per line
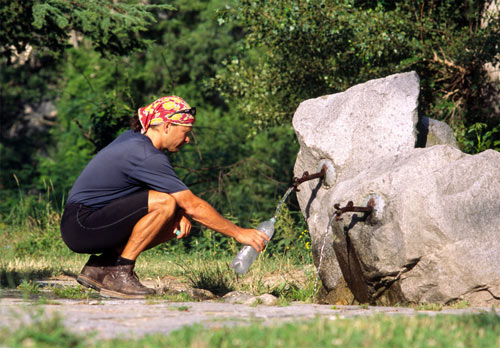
<point>112,27</point>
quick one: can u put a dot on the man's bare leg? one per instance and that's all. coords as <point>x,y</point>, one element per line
<point>155,227</point>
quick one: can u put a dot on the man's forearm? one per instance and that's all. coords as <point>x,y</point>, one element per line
<point>205,214</point>
<point>202,212</point>
<point>208,216</point>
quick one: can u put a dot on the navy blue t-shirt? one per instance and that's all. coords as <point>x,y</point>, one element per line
<point>129,164</point>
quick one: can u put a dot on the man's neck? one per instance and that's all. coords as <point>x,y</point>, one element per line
<point>155,138</point>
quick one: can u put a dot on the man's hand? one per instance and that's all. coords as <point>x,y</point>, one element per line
<point>184,226</point>
<point>255,238</point>
<point>204,213</point>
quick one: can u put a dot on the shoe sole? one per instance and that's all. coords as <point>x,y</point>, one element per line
<point>116,294</point>
<point>89,282</point>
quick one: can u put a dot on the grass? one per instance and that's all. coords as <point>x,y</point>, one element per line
<point>278,276</point>
<point>381,331</point>
<point>75,292</point>
<point>436,307</point>
<point>180,297</point>
<point>42,332</point>
<point>215,276</point>
<point>180,308</point>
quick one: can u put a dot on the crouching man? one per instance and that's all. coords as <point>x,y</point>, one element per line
<point>128,199</point>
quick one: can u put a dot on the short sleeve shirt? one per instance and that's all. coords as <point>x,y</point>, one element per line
<point>129,164</point>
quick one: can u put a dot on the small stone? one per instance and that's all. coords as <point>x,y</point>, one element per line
<point>267,300</point>
<point>200,294</point>
<point>241,297</point>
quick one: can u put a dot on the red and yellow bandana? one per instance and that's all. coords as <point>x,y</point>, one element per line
<point>162,110</point>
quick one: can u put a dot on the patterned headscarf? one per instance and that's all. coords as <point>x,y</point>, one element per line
<point>162,110</point>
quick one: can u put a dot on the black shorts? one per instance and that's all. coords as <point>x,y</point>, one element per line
<point>91,231</point>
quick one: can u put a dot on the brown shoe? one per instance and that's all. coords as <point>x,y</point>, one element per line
<point>122,282</point>
<point>94,271</point>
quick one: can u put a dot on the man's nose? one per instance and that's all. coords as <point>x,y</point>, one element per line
<point>186,140</point>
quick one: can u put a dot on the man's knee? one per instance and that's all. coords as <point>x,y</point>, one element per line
<point>162,202</point>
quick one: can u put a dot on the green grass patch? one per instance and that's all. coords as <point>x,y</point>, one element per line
<point>180,297</point>
<point>77,292</point>
<point>472,330</point>
<point>42,332</point>
<point>280,276</point>
<point>180,308</point>
<point>379,331</point>
<point>214,275</point>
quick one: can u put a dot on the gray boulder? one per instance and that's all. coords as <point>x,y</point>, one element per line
<point>433,132</point>
<point>435,233</point>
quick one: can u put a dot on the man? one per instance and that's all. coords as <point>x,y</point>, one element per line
<point>128,199</point>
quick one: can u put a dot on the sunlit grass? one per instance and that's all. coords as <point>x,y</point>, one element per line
<point>278,276</point>
<point>380,331</point>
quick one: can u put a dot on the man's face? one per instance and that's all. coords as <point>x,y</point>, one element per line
<point>176,136</point>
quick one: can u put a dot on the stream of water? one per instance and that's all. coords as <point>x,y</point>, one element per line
<point>278,208</point>
<point>321,253</point>
<point>285,196</point>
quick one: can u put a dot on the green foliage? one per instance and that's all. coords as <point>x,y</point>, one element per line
<point>112,27</point>
<point>31,228</point>
<point>478,137</point>
<point>378,331</point>
<point>93,109</point>
<point>296,292</point>
<point>42,331</point>
<point>99,95</point>
<point>12,279</point>
<point>23,136</point>
<point>29,288</point>
<point>296,50</point>
<point>190,49</point>
<point>74,292</point>
<point>473,330</point>
<point>476,330</point>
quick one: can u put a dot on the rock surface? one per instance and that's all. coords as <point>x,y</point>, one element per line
<point>246,298</point>
<point>433,132</point>
<point>435,232</point>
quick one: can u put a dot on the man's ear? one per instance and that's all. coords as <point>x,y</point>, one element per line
<point>166,127</point>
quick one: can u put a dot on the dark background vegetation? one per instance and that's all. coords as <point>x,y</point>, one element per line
<point>245,65</point>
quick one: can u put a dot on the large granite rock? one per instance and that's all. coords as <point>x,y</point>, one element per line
<point>435,232</point>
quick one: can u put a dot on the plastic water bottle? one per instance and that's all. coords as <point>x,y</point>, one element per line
<point>247,255</point>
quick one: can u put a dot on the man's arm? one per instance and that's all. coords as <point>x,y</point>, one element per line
<point>205,214</point>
